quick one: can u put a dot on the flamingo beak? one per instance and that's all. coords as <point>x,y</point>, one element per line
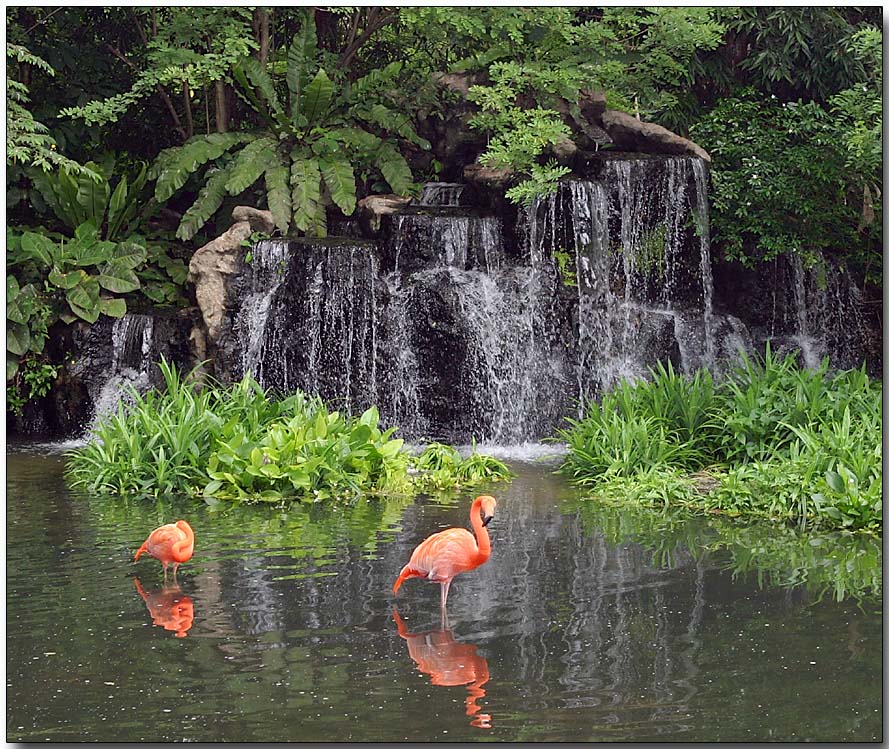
<point>487,519</point>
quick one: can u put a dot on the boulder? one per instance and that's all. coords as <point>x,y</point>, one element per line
<point>489,177</point>
<point>631,134</point>
<point>209,271</point>
<point>373,207</point>
<point>259,220</point>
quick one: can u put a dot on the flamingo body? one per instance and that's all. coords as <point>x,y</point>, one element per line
<point>446,554</point>
<point>169,544</point>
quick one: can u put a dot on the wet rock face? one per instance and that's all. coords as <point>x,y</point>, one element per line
<point>100,360</point>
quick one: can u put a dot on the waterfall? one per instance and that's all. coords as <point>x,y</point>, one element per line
<point>132,355</point>
<point>308,319</point>
<point>442,194</point>
<point>458,327</point>
<point>826,313</point>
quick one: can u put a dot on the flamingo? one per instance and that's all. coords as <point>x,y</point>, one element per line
<point>446,554</point>
<point>168,607</point>
<point>173,542</point>
<point>450,663</point>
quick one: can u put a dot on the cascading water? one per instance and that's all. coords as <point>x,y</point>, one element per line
<point>827,317</point>
<point>132,346</point>
<point>458,331</point>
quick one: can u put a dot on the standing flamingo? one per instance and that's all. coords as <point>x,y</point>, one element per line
<point>173,542</point>
<point>450,663</point>
<point>446,554</point>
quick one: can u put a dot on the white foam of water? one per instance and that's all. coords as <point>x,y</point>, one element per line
<point>526,452</point>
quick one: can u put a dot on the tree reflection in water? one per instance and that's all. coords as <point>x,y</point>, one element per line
<point>450,663</point>
<point>169,607</point>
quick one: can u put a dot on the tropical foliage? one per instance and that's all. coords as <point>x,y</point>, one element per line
<point>772,439</point>
<point>309,148</point>
<point>239,443</point>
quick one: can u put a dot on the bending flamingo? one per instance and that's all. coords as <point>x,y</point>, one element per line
<point>173,542</point>
<point>446,554</point>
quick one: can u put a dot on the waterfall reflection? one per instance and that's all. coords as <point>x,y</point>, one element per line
<point>169,607</point>
<point>450,663</point>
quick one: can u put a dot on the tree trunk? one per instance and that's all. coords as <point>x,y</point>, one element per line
<point>186,102</point>
<point>261,32</point>
<point>221,108</point>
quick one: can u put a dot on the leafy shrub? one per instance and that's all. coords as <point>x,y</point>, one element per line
<point>308,147</point>
<point>779,441</point>
<point>239,443</point>
<point>441,466</point>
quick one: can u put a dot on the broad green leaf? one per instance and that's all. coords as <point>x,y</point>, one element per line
<point>395,170</point>
<point>116,206</point>
<point>316,99</point>
<point>87,231</point>
<point>85,294</point>
<point>259,88</point>
<point>208,201</point>
<point>90,314</point>
<point>18,338</point>
<point>190,157</point>
<point>340,181</point>
<point>305,181</point>
<point>92,196</point>
<point>155,292</point>
<point>250,163</point>
<point>129,255</point>
<point>12,287</point>
<point>278,195</point>
<point>12,366</point>
<point>300,62</point>
<point>65,280</point>
<point>113,307</point>
<point>118,278</point>
<point>40,248</point>
<point>835,481</point>
<point>85,253</point>
<point>356,138</point>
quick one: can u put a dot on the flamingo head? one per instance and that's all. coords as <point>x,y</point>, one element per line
<point>488,503</point>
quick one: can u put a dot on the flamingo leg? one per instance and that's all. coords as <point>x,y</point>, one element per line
<point>165,572</point>
<point>445,587</point>
<point>175,568</point>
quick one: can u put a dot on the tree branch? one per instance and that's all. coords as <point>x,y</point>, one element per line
<point>377,18</point>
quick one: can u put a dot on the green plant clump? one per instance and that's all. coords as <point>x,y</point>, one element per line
<point>771,440</point>
<point>238,443</point>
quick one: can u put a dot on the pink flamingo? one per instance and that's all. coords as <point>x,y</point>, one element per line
<point>446,554</point>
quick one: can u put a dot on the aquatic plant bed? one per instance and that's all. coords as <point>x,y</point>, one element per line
<point>771,440</point>
<point>238,442</point>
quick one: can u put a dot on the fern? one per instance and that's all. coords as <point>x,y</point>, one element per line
<point>393,122</point>
<point>300,59</point>
<point>250,163</point>
<point>396,170</point>
<point>190,157</point>
<point>209,199</point>
<point>305,180</point>
<point>373,81</point>
<point>278,195</point>
<point>317,97</point>
<point>340,180</point>
<point>254,77</point>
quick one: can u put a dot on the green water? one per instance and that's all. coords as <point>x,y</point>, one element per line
<point>587,624</point>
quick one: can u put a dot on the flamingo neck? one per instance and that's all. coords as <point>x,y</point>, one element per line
<point>481,533</point>
<point>183,550</point>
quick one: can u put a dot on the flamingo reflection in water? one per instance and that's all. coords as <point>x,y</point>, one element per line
<point>169,607</point>
<point>450,663</point>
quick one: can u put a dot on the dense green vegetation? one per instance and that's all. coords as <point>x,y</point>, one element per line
<point>238,442</point>
<point>829,563</point>
<point>772,440</point>
<point>131,132</point>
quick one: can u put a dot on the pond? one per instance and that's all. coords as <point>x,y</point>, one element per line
<point>587,624</point>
